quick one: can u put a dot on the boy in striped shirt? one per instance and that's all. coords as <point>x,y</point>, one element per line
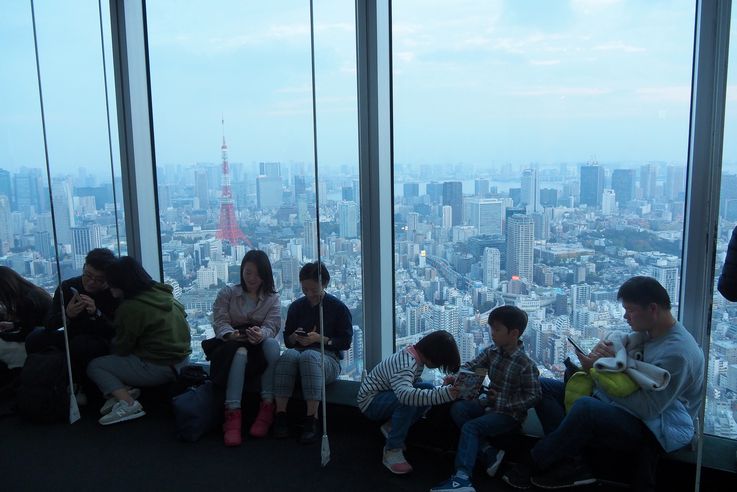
<point>393,390</point>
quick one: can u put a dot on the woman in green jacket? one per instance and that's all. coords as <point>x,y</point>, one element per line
<point>152,341</point>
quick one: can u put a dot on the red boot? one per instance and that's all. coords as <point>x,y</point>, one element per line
<point>263,420</point>
<point>232,427</point>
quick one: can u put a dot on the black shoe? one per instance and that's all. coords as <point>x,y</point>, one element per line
<point>519,476</point>
<point>310,432</point>
<point>564,475</point>
<point>281,425</point>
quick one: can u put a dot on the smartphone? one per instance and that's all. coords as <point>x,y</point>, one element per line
<point>74,291</point>
<point>301,333</point>
<point>576,346</point>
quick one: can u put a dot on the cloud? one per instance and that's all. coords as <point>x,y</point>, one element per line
<point>544,62</point>
<point>680,94</point>
<point>618,46</point>
<point>560,91</point>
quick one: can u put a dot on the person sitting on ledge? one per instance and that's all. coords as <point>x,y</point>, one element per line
<point>303,338</point>
<point>643,424</point>
<point>152,341</point>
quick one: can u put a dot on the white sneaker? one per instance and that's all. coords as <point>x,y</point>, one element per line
<point>395,461</point>
<point>110,402</point>
<point>493,465</point>
<point>122,411</point>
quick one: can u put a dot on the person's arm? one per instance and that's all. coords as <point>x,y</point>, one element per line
<point>54,320</point>
<point>402,384</point>
<point>341,331</point>
<point>128,328</point>
<point>481,360</point>
<point>272,323</point>
<point>290,325</point>
<point>727,284</point>
<point>529,392</point>
<point>221,323</point>
<point>647,404</point>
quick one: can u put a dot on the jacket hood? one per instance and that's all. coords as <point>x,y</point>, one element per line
<point>159,296</point>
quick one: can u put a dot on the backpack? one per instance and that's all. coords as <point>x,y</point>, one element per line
<point>43,394</point>
<point>196,411</point>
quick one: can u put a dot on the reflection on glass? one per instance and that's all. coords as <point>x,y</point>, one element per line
<point>79,151</point>
<point>540,154</point>
<point>232,106</point>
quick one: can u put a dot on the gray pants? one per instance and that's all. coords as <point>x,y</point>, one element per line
<point>306,363</point>
<point>114,372</point>
<point>236,376</point>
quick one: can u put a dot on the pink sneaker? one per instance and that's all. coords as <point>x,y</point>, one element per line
<point>264,419</point>
<point>396,463</point>
<point>232,428</point>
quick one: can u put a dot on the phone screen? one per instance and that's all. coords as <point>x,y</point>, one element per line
<point>576,346</point>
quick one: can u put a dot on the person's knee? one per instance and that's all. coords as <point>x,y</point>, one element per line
<point>271,349</point>
<point>583,408</point>
<point>241,352</point>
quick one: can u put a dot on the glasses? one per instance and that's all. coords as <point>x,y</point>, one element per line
<point>98,279</point>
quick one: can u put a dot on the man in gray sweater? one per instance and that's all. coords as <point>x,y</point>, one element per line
<point>643,424</point>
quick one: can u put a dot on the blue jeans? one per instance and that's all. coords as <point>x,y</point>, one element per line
<point>476,424</point>
<point>551,408</point>
<point>591,422</point>
<point>385,405</point>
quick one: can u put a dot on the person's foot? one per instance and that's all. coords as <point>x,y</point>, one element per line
<point>568,474</point>
<point>123,411</point>
<point>232,427</point>
<point>493,459</point>
<point>281,425</point>
<point>519,476</point>
<point>454,484</point>
<point>110,402</point>
<point>264,419</point>
<point>310,432</point>
<point>395,461</point>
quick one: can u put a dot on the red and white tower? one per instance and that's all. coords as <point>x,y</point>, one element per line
<point>228,228</point>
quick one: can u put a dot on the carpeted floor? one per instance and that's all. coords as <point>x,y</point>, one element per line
<point>145,455</point>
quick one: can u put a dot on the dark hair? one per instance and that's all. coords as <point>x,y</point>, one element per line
<point>309,272</point>
<point>128,275</point>
<point>512,317</point>
<point>99,258</point>
<point>263,266</point>
<point>644,291</point>
<point>439,348</point>
<point>23,301</point>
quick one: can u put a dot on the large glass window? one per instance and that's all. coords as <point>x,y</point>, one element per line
<point>233,120</point>
<point>82,156</point>
<point>721,397</point>
<point>548,169</point>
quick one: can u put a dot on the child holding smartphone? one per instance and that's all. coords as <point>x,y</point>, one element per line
<point>393,392</point>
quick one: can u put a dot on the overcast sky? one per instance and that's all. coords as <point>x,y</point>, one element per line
<point>479,83</point>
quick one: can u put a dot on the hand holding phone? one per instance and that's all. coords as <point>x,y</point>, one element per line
<point>576,346</point>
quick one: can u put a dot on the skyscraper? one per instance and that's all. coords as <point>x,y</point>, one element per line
<point>667,274</point>
<point>623,184</point>
<point>481,187</point>
<point>447,217</point>
<point>272,169</point>
<point>84,239</point>
<point>434,191</point>
<point>411,190</point>
<point>530,191</point>
<point>310,246</point>
<point>608,202</point>
<point>492,267</point>
<point>520,241</point>
<point>202,189</point>
<point>675,179</point>
<point>592,184</point>
<point>485,214</point>
<point>268,192</point>
<point>348,219</point>
<point>453,196</point>
<point>648,180</point>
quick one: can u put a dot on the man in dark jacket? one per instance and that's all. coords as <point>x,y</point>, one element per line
<point>728,279</point>
<point>89,311</point>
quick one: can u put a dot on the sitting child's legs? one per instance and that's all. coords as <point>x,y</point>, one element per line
<point>473,438</point>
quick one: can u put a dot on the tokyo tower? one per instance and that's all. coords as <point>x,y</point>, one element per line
<point>228,228</point>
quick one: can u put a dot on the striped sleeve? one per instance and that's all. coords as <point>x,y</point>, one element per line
<point>399,373</point>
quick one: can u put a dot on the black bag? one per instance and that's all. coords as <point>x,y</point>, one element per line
<point>188,376</point>
<point>196,411</point>
<point>43,395</point>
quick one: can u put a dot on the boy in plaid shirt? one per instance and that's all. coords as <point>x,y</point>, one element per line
<point>514,388</point>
